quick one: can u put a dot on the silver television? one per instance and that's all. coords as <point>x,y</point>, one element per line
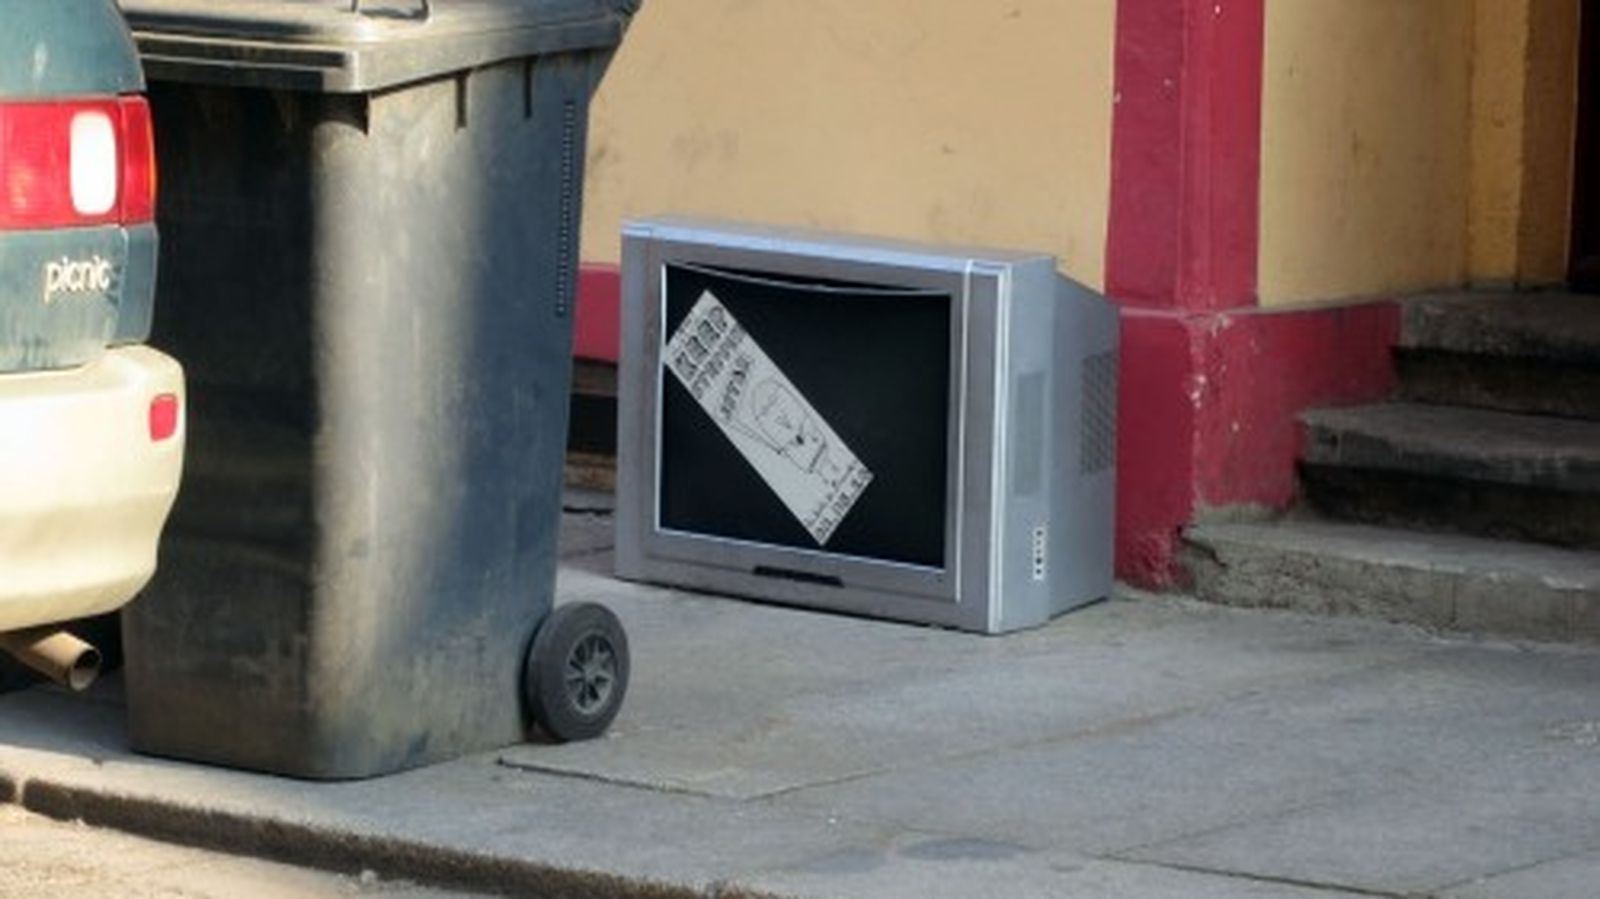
<point>912,432</point>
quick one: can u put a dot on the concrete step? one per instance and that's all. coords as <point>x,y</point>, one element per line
<point>1536,353</point>
<point>1439,581</point>
<point>592,424</point>
<point>1470,470</point>
<point>1507,383</point>
<point>1551,326</point>
<point>1467,444</point>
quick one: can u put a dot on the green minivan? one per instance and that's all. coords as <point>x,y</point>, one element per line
<point>91,419</point>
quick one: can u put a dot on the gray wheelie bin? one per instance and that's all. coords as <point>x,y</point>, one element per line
<point>369,218</point>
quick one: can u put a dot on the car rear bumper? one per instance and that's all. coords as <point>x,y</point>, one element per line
<point>84,490</point>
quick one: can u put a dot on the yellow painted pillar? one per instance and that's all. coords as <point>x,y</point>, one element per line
<point>1524,99</point>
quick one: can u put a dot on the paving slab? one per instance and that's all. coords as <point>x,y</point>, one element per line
<point>740,700</point>
<point>1141,747</point>
<point>937,868</point>
<point>586,531</point>
<point>1466,762</point>
<point>470,822</point>
<point>1403,843</point>
<point>1574,877</point>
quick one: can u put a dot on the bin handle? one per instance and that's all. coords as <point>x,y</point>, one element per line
<point>423,13</point>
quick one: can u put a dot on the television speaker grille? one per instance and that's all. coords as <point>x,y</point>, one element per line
<point>1098,447</point>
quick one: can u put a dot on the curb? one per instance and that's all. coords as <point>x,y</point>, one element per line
<point>326,849</point>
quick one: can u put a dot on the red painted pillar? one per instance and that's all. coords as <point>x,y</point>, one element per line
<point>1181,240</point>
<point>1186,154</point>
<point>1211,385</point>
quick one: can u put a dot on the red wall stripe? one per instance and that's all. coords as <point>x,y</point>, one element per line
<point>597,324</point>
<point>1207,413</point>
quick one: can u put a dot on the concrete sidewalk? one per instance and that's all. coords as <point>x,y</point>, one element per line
<point>1143,748</point>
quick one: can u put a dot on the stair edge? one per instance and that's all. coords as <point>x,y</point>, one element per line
<point>1443,582</point>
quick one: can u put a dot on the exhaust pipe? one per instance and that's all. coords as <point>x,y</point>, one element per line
<point>55,654</point>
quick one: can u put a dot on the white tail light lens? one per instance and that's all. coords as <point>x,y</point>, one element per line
<point>95,163</point>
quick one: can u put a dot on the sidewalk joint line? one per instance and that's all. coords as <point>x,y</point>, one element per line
<point>1266,878</point>
<point>607,780</point>
<point>1517,869</point>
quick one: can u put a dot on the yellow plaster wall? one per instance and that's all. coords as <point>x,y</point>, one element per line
<point>1523,103</point>
<point>978,121</point>
<point>1364,167</point>
<point>1550,123</point>
<point>1500,53</point>
<point>1413,145</point>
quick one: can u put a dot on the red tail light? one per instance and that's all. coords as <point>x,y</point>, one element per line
<point>164,417</point>
<point>76,163</point>
<point>138,162</point>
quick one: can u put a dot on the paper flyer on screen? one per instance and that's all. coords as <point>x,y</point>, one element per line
<point>772,425</point>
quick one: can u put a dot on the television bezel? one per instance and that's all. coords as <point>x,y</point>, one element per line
<point>977,289</point>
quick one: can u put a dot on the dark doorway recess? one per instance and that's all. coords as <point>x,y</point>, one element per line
<point>1585,268</point>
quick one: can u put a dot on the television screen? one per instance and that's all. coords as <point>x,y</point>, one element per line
<point>823,422</point>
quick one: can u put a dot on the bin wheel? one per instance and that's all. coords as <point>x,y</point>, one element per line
<point>577,672</point>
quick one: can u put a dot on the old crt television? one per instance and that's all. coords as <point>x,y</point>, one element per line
<point>918,433</point>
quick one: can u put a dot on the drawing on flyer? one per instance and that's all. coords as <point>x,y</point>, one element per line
<point>758,408</point>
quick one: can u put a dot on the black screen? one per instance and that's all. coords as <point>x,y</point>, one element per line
<point>874,363</point>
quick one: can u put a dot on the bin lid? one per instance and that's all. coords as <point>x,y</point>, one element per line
<point>357,46</point>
